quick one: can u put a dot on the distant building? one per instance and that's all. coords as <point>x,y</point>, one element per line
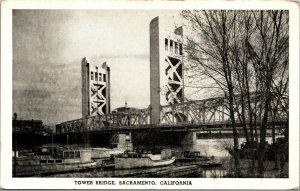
<point>27,126</point>
<point>124,109</point>
<point>95,89</point>
<point>58,128</point>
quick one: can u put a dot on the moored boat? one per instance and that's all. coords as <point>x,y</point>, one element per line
<point>195,158</point>
<point>191,156</point>
<point>131,160</point>
<point>61,161</point>
<point>104,156</point>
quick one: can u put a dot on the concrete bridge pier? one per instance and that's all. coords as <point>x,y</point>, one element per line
<point>189,140</point>
<point>122,141</point>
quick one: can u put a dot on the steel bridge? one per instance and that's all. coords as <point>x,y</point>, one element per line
<point>200,115</point>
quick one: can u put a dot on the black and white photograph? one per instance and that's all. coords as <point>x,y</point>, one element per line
<point>150,96</point>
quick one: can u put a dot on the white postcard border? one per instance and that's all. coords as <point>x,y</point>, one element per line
<point>197,183</point>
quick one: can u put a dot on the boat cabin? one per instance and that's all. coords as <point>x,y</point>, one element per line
<point>82,155</point>
<point>71,154</point>
<point>131,155</point>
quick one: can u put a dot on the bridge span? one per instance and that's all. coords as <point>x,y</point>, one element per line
<point>202,115</point>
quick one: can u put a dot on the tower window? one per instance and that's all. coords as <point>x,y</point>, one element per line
<point>92,75</point>
<point>96,76</point>
<point>104,78</point>
<point>176,48</point>
<point>166,44</point>
<point>180,48</point>
<point>171,45</point>
<point>100,77</point>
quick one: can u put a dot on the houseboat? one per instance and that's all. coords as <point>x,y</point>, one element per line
<point>131,160</point>
<point>58,161</point>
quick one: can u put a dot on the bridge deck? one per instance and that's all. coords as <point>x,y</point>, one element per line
<point>183,127</point>
<point>208,114</point>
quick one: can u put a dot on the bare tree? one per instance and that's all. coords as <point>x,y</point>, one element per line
<point>244,54</point>
<point>268,49</point>
<point>209,49</point>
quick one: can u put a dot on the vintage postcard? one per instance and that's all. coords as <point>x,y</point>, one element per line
<point>149,95</point>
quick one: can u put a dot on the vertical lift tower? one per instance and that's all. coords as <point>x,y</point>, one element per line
<point>166,67</point>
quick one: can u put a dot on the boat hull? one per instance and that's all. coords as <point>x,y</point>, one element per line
<point>31,170</point>
<point>143,162</point>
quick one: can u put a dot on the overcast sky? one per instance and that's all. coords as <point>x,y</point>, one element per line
<point>48,46</point>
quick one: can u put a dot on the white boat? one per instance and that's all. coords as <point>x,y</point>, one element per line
<point>104,156</point>
<point>103,153</point>
<point>134,160</point>
<point>62,161</point>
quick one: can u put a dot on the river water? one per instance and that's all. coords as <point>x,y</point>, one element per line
<point>213,148</point>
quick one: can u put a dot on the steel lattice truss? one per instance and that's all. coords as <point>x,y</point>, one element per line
<point>98,100</point>
<point>195,112</point>
<point>175,82</point>
<point>214,111</point>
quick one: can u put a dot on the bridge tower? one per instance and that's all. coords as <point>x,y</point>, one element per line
<point>95,89</point>
<point>166,67</point>
<point>96,99</point>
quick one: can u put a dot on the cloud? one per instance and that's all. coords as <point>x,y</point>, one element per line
<point>48,46</point>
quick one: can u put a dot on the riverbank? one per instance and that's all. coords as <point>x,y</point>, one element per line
<point>247,171</point>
